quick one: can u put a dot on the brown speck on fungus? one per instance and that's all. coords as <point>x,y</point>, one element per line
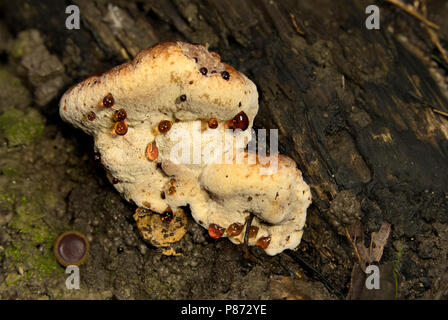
<point>164,126</point>
<point>108,101</point>
<point>121,128</point>
<point>71,248</point>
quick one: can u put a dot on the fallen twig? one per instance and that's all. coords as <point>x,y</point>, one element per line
<point>410,10</point>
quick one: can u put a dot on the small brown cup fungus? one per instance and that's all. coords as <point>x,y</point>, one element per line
<point>71,248</point>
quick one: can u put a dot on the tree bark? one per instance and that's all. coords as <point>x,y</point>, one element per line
<point>353,106</point>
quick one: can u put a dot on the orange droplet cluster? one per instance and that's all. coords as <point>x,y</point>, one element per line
<point>152,152</point>
<point>164,126</point>
<point>234,229</point>
<point>213,123</point>
<point>121,128</point>
<point>215,231</point>
<point>264,242</point>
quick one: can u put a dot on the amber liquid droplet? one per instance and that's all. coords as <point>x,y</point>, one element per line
<point>152,152</point>
<point>91,116</point>
<point>121,128</point>
<point>240,121</point>
<point>119,115</point>
<point>253,230</point>
<point>165,126</point>
<point>172,190</point>
<point>225,75</point>
<point>264,242</point>
<point>167,216</point>
<point>234,229</point>
<point>215,231</point>
<point>213,123</point>
<point>108,101</point>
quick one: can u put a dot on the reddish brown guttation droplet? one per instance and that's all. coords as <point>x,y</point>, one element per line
<point>115,181</point>
<point>167,215</point>
<point>121,128</point>
<point>264,242</point>
<point>108,101</point>
<point>240,121</point>
<point>97,156</point>
<point>225,75</point>
<point>164,126</point>
<point>234,229</point>
<point>119,115</point>
<point>203,71</point>
<point>152,152</point>
<point>172,190</point>
<point>91,116</point>
<point>253,230</point>
<point>183,98</point>
<point>215,231</point>
<point>213,123</point>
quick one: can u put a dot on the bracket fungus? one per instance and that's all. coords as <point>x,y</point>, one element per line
<point>175,91</point>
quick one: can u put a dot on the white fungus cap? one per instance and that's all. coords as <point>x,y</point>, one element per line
<point>184,86</point>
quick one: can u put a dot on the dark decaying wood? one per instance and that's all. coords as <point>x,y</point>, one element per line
<point>352,106</point>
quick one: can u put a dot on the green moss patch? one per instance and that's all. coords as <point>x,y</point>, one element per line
<point>20,128</point>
